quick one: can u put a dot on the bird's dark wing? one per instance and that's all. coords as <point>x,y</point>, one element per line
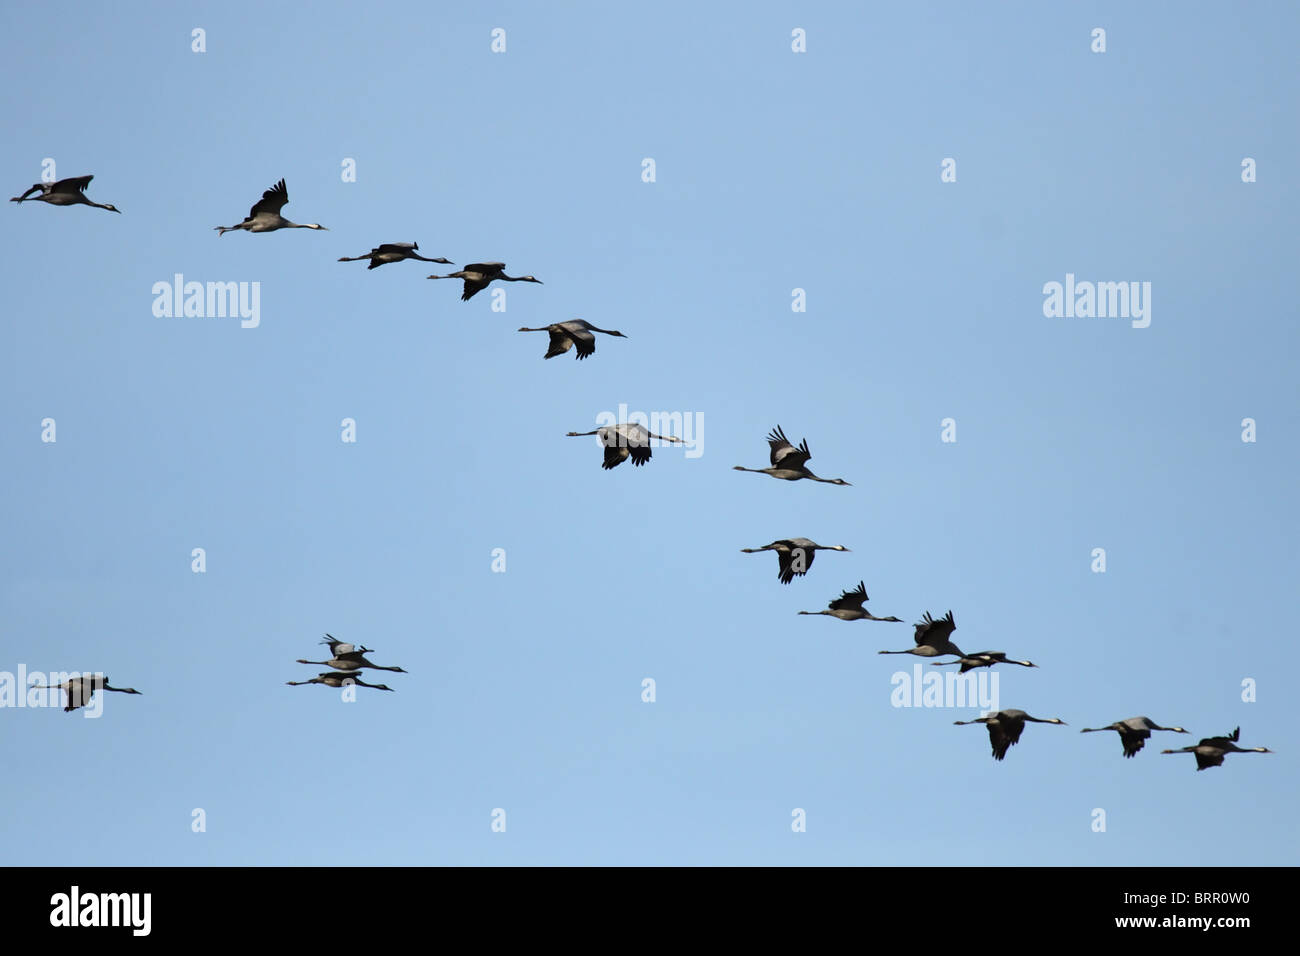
<point>934,632</point>
<point>784,454</point>
<point>1133,739</point>
<point>1013,729</point>
<point>397,248</point>
<point>1208,758</point>
<point>783,570</point>
<point>487,268</point>
<point>1220,741</point>
<point>797,560</point>
<point>42,188</point>
<point>1000,740</point>
<point>76,184</point>
<point>930,631</point>
<point>560,343</point>
<point>581,338</point>
<point>272,200</point>
<point>614,455</point>
<point>851,600</point>
<point>640,454</point>
<point>472,288</point>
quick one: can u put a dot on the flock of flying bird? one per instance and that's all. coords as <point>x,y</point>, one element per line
<point>932,638</point>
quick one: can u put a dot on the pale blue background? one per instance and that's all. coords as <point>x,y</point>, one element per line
<point>775,171</point>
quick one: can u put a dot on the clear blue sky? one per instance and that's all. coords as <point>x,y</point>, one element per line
<point>775,171</point>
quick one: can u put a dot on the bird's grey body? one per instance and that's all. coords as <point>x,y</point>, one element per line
<point>1005,728</point>
<point>350,661</point>
<point>932,638</point>
<point>479,275</point>
<point>567,335</point>
<point>81,689</point>
<point>265,214</point>
<point>788,462</point>
<point>335,679</point>
<point>623,441</point>
<point>848,607</point>
<point>969,662</point>
<point>794,556</point>
<point>1133,732</point>
<point>1211,750</point>
<point>393,252</point>
<point>64,192</point>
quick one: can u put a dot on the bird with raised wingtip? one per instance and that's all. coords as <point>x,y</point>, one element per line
<point>788,462</point>
<point>64,192</point>
<point>848,607</point>
<point>265,214</point>
<point>1211,750</point>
